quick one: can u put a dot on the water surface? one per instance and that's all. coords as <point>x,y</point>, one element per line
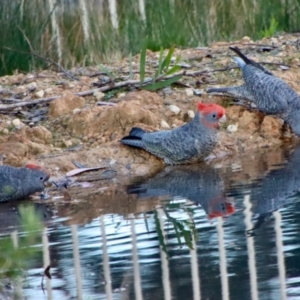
<point>228,231</point>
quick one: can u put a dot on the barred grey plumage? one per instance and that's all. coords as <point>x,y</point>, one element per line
<point>189,143</point>
<point>270,94</point>
<point>18,183</point>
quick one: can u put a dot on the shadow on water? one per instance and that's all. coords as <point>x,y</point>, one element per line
<point>225,232</point>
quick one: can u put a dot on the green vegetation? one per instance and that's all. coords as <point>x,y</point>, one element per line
<point>163,69</point>
<point>16,254</point>
<point>84,32</point>
<point>271,30</point>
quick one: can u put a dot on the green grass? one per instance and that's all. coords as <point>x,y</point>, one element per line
<point>33,26</point>
<point>14,259</point>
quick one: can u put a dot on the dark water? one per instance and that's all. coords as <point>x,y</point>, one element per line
<point>199,232</point>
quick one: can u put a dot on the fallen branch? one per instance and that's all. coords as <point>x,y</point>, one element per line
<point>4,107</point>
<point>11,100</point>
<point>112,86</point>
<point>102,103</point>
<point>137,83</point>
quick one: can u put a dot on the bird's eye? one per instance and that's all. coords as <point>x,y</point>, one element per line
<point>214,115</point>
<point>41,178</point>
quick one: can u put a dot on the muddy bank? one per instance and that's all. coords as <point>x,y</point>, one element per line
<point>74,128</point>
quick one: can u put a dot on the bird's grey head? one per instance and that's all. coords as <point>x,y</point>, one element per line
<point>211,114</point>
<point>36,178</point>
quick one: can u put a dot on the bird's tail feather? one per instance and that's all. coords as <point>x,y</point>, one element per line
<point>132,141</point>
<point>134,138</point>
<point>137,132</point>
<point>241,55</point>
<point>218,90</point>
<point>239,61</point>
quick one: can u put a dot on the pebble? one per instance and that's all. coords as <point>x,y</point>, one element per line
<point>246,39</point>
<point>5,131</point>
<point>232,128</point>
<point>189,92</point>
<point>99,95</point>
<point>175,109</point>
<point>16,122</point>
<point>40,94</point>
<point>48,90</point>
<point>191,114</point>
<point>112,161</point>
<point>32,85</point>
<point>68,143</point>
<point>76,111</point>
<point>164,124</point>
<point>121,95</point>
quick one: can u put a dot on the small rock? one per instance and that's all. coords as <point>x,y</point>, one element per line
<point>112,161</point>
<point>48,91</point>
<point>164,124</point>
<point>189,92</point>
<point>246,39</point>
<point>20,89</point>
<point>121,95</point>
<point>191,114</point>
<point>5,131</point>
<point>198,92</point>
<point>8,122</point>
<point>232,128</point>
<point>40,94</point>
<point>167,90</point>
<point>99,95</point>
<point>32,86</point>
<point>67,143</point>
<point>16,122</point>
<point>76,111</point>
<point>175,109</point>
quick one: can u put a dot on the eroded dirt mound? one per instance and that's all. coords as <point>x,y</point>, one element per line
<point>74,127</point>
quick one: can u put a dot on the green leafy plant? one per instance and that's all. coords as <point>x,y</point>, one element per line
<point>271,30</point>
<point>164,69</point>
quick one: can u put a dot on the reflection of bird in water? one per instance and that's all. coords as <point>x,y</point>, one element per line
<point>201,184</point>
<point>277,189</point>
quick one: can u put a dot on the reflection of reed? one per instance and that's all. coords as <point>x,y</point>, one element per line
<point>164,261</point>
<point>195,270</point>
<point>76,257</point>
<point>223,263</point>
<point>46,256</point>
<point>136,265</point>
<point>250,248</point>
<point>108,288</point>
<point>280,254</point>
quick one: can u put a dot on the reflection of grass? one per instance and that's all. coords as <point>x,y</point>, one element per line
<point>85,35</point>
<point>185,230</point>
<point>14,257</point>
